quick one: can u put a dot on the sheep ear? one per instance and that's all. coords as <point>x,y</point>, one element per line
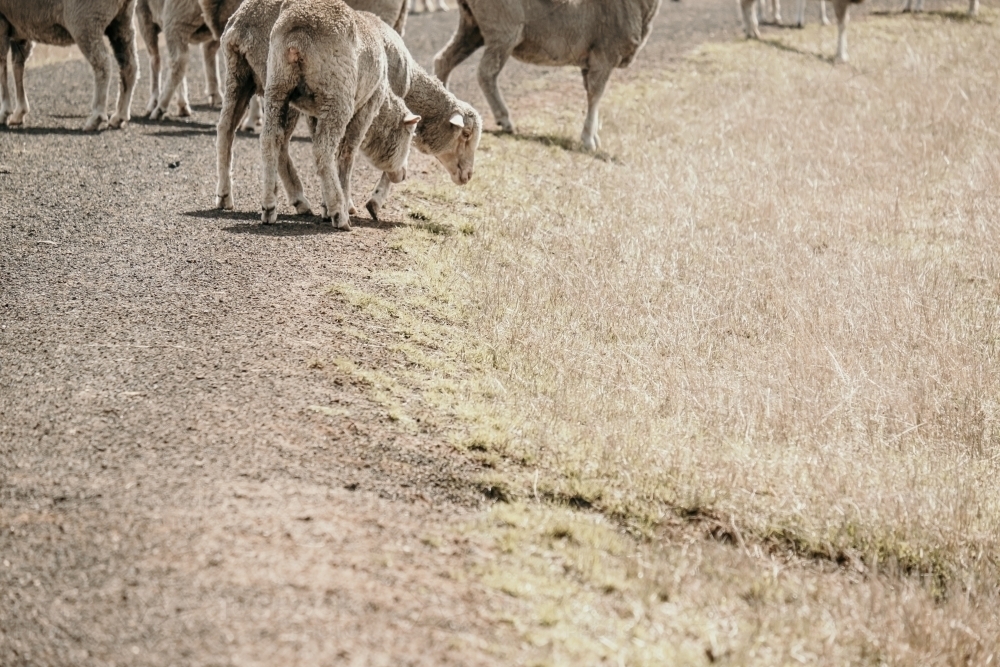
<point>410,120</point>
<point>458,120</point>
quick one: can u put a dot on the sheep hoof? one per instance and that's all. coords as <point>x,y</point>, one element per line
<point>214,100</point>
<point>373,208</point>
<point>341,221</point>
<point>506,126</point>
<point>157,113</point>
<point>16,119</point>
<point>224,202</point>
<point>302,206</point>
<point>118,122</point>
<point>269,216</point>
<point>94,122</point>
<point>183,111</point>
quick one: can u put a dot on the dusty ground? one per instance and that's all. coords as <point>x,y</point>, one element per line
<point>184,477</point>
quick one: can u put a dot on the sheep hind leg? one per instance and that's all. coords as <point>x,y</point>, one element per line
<point>595,78</point>
<point>177,49</point>
<point>5,104</point>
<point>840,8</point>
<point>494,58</point>
<point>275,109</point>
<point>286,169</point>
<point>20,52</point>
<point>240,89</point>
<point>466,40</point>
<point>327,134</point>
<point>973,7</point>
<point>823,18</point>
<point>121,35</point>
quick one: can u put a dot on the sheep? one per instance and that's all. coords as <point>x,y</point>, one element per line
<point>918,6</point>
<point>429,5</point>
<point>449,130</point>
<point>217,12</point>
<point>840,8</point>
<point>182,23</point>
<point>342,91</point>
<point>595,35</point>
<point>64,22</point>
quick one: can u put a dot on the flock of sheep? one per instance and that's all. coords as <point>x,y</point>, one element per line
<point>343,66</point>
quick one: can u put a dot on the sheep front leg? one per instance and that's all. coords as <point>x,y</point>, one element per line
<point>354,135</point>
<point>823,18</point>
<point>750,19</point>
<point>121,35</point>
<point>253,119</point>
<point>93,49</point>
<point>151,37</point>
<point>5,105</point>
<point>179,53</point>
<point>378,197</point>
<point>595,78</point>
<point>843,17</point>
<point>20,52</point>
<point>209,51</point>
<point>800,14</point>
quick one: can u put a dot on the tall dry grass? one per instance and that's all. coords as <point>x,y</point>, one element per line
<point>774,303</point>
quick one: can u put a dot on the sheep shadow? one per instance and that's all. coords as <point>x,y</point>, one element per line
<point>957,15</point>
<point>781,46</point>
<point>42,131</point>
<point>248,222</point>
<point>565,143</point>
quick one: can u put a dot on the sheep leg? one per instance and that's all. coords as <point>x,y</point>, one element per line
<point>271,136</point>
<point>209,51</point>
<point>378,197</point>
<point>177,49</point>
<point>973,7</point>
<point>286,170</point>
<point>840,8</point>
<point>494,58</point>
<point>240,89</point>
<point>93,49</point>
<point>151,38</point>
<point>750,19</point>
<point>800,14</point>
<point>328,132</point>
<point>595,78</point>
<point>253,118</point>
<point>354,135</point>
<point>5,104</point>
<point>776,11</point>
<point>442,5</point>
<point>823,18</point>
<point>121,35</point>
<point>20,52</point>
<point>463,44</point>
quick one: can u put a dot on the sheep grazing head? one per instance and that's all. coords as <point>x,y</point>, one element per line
<point>387,144</point>
<point>453,141</point>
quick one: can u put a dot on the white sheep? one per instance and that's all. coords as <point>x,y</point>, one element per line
<point>595,35</point>
<point>181,23</point>
<point>64,22</point>
<point>840,8</point>
<point>324,60</point>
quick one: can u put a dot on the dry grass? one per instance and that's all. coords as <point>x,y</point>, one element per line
<point>772,309</point>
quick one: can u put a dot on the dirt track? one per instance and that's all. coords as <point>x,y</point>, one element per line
<point>170,493</point>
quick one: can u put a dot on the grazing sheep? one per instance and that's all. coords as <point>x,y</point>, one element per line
<point>182,23</point>
<point>65,22</point>
<point>217,12</point>
<point>595,35</point>
<point>342,91</point>
<point>918,6</point>
<point>840,8</point>
<point>450,129</point>
<point>429,5</point>
<point>800,19</point>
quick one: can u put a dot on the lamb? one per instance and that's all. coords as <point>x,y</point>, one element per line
<point>595,35</point>
<point>429,5</point>
<point>918,6</point>
<point>344,91</point>
<point>840,8</point>
<point>449,128</point>
<point>182,23</point>
<point>64,22</point>
<point>217,12</point>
